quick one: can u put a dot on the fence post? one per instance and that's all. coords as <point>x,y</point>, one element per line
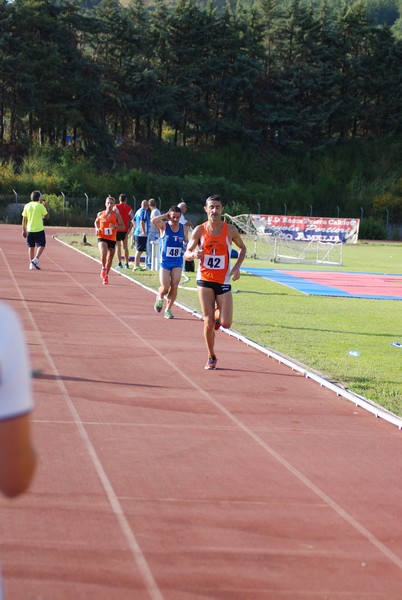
<point>286,208</point>
<point>64,203</point>
<point>86,205</point>
<point>16,196</point>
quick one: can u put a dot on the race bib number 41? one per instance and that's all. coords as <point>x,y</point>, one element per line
<point>213,261</point>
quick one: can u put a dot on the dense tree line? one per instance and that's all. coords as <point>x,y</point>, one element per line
<point>273,74</point>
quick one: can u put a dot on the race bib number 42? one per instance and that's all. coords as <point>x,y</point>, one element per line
<point>212,261</point>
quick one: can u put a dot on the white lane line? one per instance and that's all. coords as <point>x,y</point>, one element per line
<point>142,564</point>
<point>337,508</point>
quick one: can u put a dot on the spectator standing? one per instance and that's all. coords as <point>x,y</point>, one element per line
<point>183,219</point>
<point>173,236</point>
<point>189,265</point>
<point>127,215</point>
<point>153,233</point>
<point>32,228</point>
<point>141,226</point>
<point>107,223</point>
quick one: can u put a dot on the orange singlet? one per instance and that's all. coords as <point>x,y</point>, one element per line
<point>215,264</point>
<point>105,221</point>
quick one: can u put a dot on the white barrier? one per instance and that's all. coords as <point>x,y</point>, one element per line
<point>155,255</point>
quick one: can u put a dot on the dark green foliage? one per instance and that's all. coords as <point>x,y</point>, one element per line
<point>286,105</point>
<point>289,76</point>
<point>372,229</point>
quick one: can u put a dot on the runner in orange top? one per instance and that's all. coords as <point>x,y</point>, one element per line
<point>107,223</point>
<point>211,242</point>
<point>215,266</point>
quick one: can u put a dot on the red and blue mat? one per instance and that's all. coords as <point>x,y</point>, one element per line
<point>375,286</point>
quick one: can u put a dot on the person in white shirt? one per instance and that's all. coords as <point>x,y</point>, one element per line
<point>183,220</point>
<point>188,264</point>
<point>153,233</point>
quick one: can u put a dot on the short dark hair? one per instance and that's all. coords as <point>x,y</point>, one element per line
<point>36,195</point>
<point>123,197</point>
<point>214,197</point>
<point>174,209</point>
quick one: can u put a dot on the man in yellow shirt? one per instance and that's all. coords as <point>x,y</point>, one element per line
<point>32,228</point>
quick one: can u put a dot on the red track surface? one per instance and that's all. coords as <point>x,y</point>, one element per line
<point>160,480</point>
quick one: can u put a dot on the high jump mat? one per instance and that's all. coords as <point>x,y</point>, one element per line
<point>374,286</point>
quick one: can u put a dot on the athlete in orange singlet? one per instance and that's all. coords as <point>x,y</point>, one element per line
<point>107,223</point>
<point>211,242</point>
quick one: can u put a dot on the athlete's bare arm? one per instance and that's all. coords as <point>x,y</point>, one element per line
<point>96,223</point>
<point>237,239</point>
<point>159,221</point>
<point>193,251</point>
<point>17,456</point>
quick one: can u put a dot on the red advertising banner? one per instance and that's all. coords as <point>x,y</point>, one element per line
<point>307,229</point>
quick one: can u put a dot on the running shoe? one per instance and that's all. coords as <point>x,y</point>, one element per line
<point>119,266</point>
<point>126,266</point>
<point>106,280</point>
<point>211,363</point>
<point>158,305</point>
<point>103,273</point>
<point>217,321</point>
<point>168,314</point>
<point>31,266</point>
<point>35,263</point>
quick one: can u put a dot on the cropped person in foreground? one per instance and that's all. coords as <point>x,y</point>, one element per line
<point>17,455</point>
<point>211,243</point>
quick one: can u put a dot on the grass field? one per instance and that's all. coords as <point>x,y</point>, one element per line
<point>317,331</point>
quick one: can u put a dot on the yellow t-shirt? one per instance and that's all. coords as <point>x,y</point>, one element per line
<point>34,213</point>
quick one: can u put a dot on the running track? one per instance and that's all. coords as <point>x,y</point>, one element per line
<point>159,480</point>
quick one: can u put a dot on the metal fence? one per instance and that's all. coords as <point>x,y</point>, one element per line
<point>74,211</point>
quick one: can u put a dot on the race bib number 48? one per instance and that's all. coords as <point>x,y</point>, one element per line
<point>173,252</point>
<point>212,261</point>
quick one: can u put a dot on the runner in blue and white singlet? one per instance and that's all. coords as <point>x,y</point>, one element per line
<point>172,247</point>
<point>172,237</point>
